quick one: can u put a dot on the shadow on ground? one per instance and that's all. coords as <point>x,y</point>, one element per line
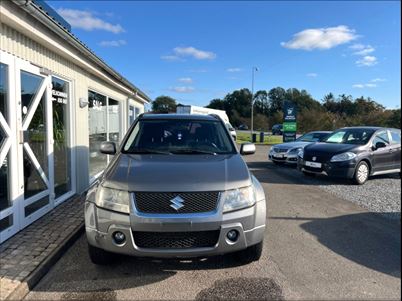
<point>100,282</point>
<point>365,238</point>
<point>242,289</point>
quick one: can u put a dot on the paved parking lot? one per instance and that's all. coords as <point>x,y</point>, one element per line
<point>318,245</point>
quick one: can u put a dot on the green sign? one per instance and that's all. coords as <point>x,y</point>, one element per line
<point>289,126</point>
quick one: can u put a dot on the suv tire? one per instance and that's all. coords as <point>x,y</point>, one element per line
<point>362,173</point>
<point>250,254</point>
<point>99,256</point>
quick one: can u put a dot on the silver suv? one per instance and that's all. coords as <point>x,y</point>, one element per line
<point>177,187</point>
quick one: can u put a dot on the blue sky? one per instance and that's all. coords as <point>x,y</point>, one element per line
<point>197,51</point>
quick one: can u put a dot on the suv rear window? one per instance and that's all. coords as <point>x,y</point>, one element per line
<point>179,136</point>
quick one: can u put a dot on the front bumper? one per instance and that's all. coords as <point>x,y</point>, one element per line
<point>100,224</point>
<point>344,169</point>
<point>283,157</point>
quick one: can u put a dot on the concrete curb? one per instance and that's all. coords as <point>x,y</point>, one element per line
<point>25,287</point>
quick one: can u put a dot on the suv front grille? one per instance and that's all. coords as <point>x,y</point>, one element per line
<point>161,202</point>
<point>280,150</point>
<point>176,240</point>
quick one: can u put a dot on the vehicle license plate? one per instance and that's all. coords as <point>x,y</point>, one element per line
<point>279,156</point>
<point>313,164</point>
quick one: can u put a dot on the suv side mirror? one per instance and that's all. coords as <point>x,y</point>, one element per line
<point>108,148</point>
<point>379,144</point>
<point>247,149</point>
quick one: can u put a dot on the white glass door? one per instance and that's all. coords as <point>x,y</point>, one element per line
<point>9,209</point>
<point>36,157</point>
<point>35,151</point>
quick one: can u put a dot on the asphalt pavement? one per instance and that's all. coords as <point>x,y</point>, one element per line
<point>317,246</point>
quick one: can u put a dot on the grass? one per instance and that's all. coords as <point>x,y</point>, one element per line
<point>268,140</point>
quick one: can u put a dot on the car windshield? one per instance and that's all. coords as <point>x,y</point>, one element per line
<point>312,137</point>
<point>350,136</point>
<point>175,136</point>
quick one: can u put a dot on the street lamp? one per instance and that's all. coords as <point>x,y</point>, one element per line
<point>252,102</point>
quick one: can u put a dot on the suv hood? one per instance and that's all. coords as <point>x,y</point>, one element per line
<point>177,173</point>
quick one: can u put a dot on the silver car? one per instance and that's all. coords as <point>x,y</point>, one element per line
<point>177,187</point>
<point>287,152</point>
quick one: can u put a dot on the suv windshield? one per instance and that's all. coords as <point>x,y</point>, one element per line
<point>350,136</point>
<point>176,136</point>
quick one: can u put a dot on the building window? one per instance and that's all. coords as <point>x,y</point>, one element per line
<point>61,136</point>
<point>114,120</point>
<point>104,124</point>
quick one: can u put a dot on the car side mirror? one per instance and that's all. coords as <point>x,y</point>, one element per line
<point>379,144</point>
<point>108,148</point>
<point>247,149</point>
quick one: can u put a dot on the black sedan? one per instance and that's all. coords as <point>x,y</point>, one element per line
<point>354,153</point>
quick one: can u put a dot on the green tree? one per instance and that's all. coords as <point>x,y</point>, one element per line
<point>164,104</point>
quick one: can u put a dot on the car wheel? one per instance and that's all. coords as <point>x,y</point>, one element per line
<point>362,173</point>
<point>250,254</point>
<point>99,256</point>
<point>309,174</point>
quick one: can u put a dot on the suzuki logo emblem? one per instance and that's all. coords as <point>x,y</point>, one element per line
<point>177,203</point>
<point>314,158</point>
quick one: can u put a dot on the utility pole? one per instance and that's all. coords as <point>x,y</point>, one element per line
<point>252,102</point>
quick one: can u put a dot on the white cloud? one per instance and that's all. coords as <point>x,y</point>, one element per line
<point>321,38</point>
<point>170,58</point>
<point>234,70</point>
<point>361,86</point>
<point>182,89</point>
<point>361,49</point>
<point>377,80</point>
<point>180,53</point>
<point>113,43</point>
<point>187,80</point>
<point>194,52</point>
<point>367,61</point>
<point>312,74</point>
<point>87,21</point>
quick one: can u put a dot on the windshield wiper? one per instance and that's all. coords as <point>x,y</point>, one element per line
<point>193,151</point>
<point>149,151</point>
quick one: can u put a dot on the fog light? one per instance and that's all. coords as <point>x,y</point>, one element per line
<point>119,237</point>
<point>232,235</point>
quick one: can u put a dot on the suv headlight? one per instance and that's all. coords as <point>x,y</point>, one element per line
<point>343,157</point>
<point>301,154</point>
<point>113,199</point>
<point>238,198</point>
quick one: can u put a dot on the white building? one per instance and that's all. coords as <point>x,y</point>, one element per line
<point>58,102</point>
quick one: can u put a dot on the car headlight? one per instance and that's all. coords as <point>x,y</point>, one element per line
<point>301,153</point>
<point>238,198</point>
<point>343,157</point>
<point>113,199</point>
<point>294,150</point>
